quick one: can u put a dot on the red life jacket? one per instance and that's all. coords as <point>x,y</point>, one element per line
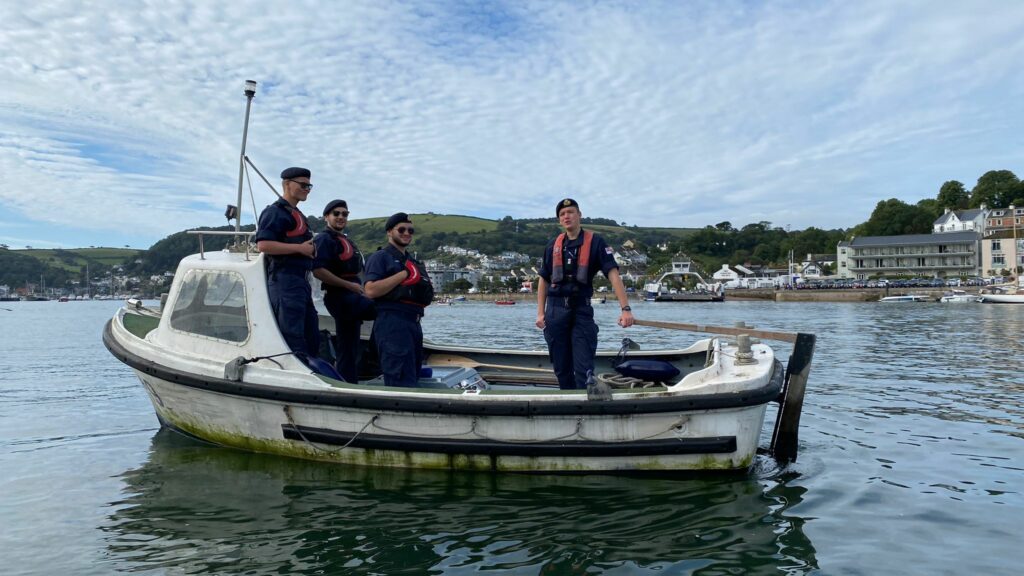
<point>582,263</point>
<point>417,289</point>
<point>300,223</point>
<point>348,267</point>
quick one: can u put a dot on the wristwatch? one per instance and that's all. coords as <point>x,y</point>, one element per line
<point>627,309</point>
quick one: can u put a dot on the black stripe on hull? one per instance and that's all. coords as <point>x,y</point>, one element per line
<point>579,448</point>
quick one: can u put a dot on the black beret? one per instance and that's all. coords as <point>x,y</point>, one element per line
<point>565,204</point>
<point>294,172</point>
<point>334,204</point>
<point>396,219</point>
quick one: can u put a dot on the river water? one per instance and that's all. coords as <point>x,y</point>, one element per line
<point>911,462</point>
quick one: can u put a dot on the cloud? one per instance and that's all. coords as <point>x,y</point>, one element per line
<point>673,114</point>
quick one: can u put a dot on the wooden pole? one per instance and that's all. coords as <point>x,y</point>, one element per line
<point>724,330</point>
<point>791,401</point>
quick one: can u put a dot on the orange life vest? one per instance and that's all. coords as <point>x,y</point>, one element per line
<point>582,263</point>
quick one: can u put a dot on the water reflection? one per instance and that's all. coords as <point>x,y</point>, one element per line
<point>202,509</point>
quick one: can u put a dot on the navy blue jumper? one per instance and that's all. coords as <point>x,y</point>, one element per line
<point>397,331</point>
<point>291,298</point>
<point>336,253</point>
<point>569,327</point>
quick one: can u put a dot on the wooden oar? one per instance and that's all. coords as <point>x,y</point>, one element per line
<point>724,330</point>
<point>471,363</point>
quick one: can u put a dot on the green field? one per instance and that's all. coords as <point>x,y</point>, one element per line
<point>438,223</point>
<point>75,259</point>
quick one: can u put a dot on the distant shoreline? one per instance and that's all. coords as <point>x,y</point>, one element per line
<point>771,295</point>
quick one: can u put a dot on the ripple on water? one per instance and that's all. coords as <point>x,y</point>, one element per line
<point>911,434</point>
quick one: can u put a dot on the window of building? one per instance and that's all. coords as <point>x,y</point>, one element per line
<point>997,246</point>
<point>212,304</point>
<point>999,260</point>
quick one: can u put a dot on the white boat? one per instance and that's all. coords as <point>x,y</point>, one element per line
<point>1003,298</point>
<point>598,300</point>
<point>216,367</point>
<point>959,297</point>
<point>906,298</point>
<point>1003,295</point>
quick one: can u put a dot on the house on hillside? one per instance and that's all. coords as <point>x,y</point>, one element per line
<point>1004,219</point>
<point>961,221</point>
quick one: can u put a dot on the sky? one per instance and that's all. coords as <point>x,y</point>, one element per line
<point>121,123</point>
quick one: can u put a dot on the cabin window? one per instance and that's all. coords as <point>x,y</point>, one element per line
<point>212,303</point>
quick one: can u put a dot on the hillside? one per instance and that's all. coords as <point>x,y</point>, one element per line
<point>709,246</point>
<point>59,267</point>
<point>432,231</point>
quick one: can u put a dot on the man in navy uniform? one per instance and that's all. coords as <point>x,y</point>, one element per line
<point>283,235</point>
<point>401,289</point>
<point>564,312</point>
<point>338,265</point>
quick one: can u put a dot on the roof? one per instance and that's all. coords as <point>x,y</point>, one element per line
<point>1003,234</point>
<point>962,215</point>
<point>969,214</point>
<point>909,239</point>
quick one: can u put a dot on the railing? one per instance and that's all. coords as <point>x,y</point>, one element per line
<point>201,233</point>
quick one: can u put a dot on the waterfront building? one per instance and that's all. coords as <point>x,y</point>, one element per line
<point>945,255</point>
<point>815,265</point>
<point>1002,250</point>
<point>441,276</point>
<point>728,277</point>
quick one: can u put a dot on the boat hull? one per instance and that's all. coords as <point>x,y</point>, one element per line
<point>1002,298</point>
<point>706,440</point>
<point>454,429</point>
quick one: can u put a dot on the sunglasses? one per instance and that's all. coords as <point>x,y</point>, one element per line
<point>303,185</point>
<point>404,230</point>
<point>342,213</point>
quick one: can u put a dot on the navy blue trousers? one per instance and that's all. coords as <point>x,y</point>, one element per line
<point>571,334</point>
<point>399,340</point>
<point>349,310</point>
<point>291,299</point>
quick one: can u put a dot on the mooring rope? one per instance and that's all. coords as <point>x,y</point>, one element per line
<point>288,414</point>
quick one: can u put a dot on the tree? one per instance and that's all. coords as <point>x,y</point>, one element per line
<point>995,189</point>
<point>894,217</point>
<point>932,207</point>
<point>953,195</point>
